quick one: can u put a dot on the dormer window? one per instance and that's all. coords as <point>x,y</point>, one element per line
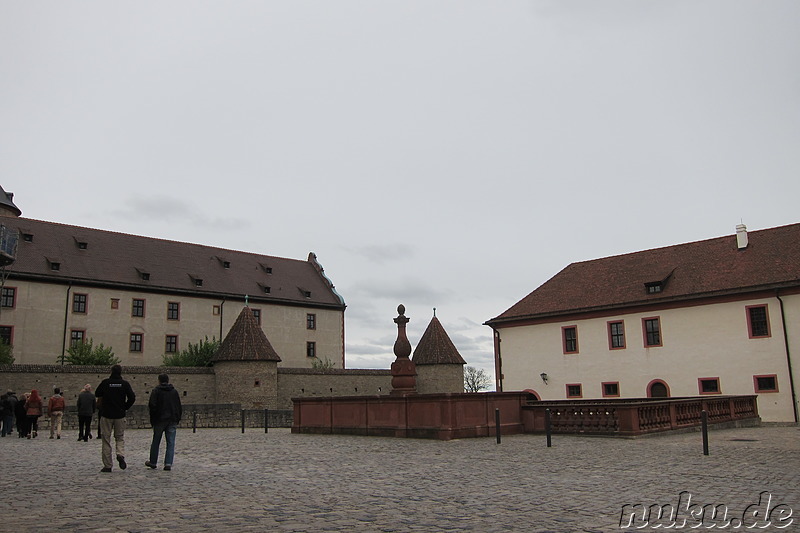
<point>27,237</point>
<point>267,290</point>
<point>226,264</point>
<point>654,287</point>
<point>55,264</point>
<point>266,269</point>
<point>145,276</point>
<point>83,245</point>
<point>198,282</point>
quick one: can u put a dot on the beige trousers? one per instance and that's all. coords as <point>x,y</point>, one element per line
<point>55,422</point>
<point>107,425</point>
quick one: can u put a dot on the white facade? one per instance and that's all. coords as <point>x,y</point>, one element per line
<point>698,342</point>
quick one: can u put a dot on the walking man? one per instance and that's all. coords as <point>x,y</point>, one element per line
<point>86,407</point>
<point>55,408</point>
<point>165,413</point>
<point>114,397</point>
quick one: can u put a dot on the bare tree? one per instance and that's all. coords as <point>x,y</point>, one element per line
<point>475,379</point>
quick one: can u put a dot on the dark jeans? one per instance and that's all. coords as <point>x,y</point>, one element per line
<point>84,427</point>
<point>33,424</point>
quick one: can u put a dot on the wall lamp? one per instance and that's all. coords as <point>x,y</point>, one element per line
<point>543,375</point>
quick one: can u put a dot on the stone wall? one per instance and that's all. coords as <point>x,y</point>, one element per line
<point>438,379</point>
<point>315,383</point>
<point>254,384</point>
<point>195,385</point>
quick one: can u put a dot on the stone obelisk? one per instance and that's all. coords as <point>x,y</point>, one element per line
<point>404,372</point>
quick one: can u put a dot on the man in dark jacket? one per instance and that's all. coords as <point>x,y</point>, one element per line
<point>114,397</point>
<point>165,413</point>
<point>86,408</point>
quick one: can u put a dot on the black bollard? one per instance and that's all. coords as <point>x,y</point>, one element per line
<point>497,423</point>
<point>547,427</point>
<point>242,420</point>
<point>704,421</point>
<point>266,420</point>
<point>194,422</point>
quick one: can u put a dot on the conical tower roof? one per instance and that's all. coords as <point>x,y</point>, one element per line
<point>436,348</point>
<point>246,341</point>
<point>7,204</point>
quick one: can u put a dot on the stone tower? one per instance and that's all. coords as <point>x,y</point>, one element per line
<point>440,368</point>
<point>246,366</point>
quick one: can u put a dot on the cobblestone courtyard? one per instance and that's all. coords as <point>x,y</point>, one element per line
<point>224,480</point>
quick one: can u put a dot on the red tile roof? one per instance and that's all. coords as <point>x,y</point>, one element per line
<point>713,267</point>
<point>436,348</point>
<point>98,257</point>
<point>246,341</point>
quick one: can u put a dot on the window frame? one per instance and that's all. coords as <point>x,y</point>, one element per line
<point>759,390</point>
<point>311,349</point>
<point>8,293</point>
<point>177,311</point>
<point>609,395</point>
<point>139,341</point>
<point>257,315</point>
<point>645,333</point>
<point>580,390</point>
<point>749,313</point>
<point>701,381</point>
<point>134,307</point>
<point>565,341</point>
<point>80,303</point>
<point>311,321</point>
<point>76,336</point>
<point>611,334</point>
<point>8,339</point>
<point>168,344</point>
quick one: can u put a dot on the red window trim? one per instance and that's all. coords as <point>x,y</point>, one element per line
<point>603,389</point>
<point>750,325</point>
<point>624,340</point>
<point>574,385</point>
<point>644,332</point>
<point>564,340</point>
<point>767,391</point>
<point>649,387</point>
<point>178,318</point>
<point>700,385</point>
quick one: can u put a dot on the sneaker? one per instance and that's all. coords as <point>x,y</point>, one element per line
<point>122,464</point>
<point>106,469</point>
<point>148,463</point>
<point>167,467</point>
<point>58,436</point>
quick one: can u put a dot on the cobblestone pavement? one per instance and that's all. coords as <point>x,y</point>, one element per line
<point>224,480</point>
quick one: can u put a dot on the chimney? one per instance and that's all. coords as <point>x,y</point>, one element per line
<point>741,236</point>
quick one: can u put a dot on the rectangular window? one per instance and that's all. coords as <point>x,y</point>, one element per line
<point>610,389</point>
<point>652,331</point>
<point>171,345</point>
<point>173,311</point>
<point>570,338</point>
<point>766,383</point>
<point>574,390</point>
<point>76,336</point>
<point>79,303</point>
<point>311,321</point>
<point>257,314</point>
<point>311,349</point>
<point>757,321</point>
<point>138,307</point>
<point>6,335</point>
<point>616,335</point>
<point>216,310</point>
<point>9,297</point>
<point>114,303</point>
<point>136,342</point>
<point>709,386</point>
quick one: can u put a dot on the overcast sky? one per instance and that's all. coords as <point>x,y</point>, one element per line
<point>447,154</point>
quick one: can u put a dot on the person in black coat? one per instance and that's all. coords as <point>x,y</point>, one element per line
<point>115,396</point>
<point>165,413</point>
<point>86,407</point>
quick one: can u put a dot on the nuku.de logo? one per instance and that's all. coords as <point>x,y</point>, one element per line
<point>687,515</point>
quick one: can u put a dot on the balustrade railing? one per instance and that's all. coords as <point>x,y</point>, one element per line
<point>636,416</point>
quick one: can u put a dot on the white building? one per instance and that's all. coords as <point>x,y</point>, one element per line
<point>720,316</point>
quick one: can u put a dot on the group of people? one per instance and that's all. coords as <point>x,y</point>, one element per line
<point>113,397</point>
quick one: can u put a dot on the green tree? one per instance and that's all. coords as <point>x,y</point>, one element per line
<point>475,379</point>
<point>199,354</point>
<point>6,353</point>
<point>84,353</point>
<point>322,363</point>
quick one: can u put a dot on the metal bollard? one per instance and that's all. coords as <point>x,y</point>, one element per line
<point>266,420</point>
<point>547,427</point>
<point>704,421</point>
<point>497,423</point>
<point>242,420</point>
<point>194,422</point>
